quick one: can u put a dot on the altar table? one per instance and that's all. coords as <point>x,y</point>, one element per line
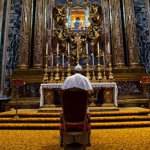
<point>94,85</point>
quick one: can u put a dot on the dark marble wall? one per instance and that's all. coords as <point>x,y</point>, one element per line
<point>13,36</point>
<point>142,33</point>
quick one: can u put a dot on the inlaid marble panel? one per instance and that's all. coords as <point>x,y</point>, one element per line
<point>142,33</point>
<point>30,90</point>
<point>13,36</point>
<point>131,88</point>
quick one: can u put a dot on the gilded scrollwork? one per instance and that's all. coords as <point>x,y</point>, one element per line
<point>77,39</point>
<point>60,15</point>
<point>95,13</point>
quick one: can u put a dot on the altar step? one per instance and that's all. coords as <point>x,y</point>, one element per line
<point>53,109</point>
<point>49,126</point>
<point>99,120</point>
<point>93,119</point>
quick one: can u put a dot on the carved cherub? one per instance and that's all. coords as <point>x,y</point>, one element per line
<point>60,14</point>
<point>95,13</point>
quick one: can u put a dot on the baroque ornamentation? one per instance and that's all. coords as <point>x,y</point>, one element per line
<point>77,40</point>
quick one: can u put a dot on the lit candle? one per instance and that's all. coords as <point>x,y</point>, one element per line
<point>46,48</point>
<point>52,59</point>
<point>108,49</point>
<point>53,25</point>
<point>87,48</point>
<point>63,60</point>
<point>103,59</point>
<point>93,58</point>
<point>68,48</point>
<point>57,48</point>
<point>98,47</point>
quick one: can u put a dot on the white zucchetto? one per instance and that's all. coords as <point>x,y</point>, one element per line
<point>78,68</point>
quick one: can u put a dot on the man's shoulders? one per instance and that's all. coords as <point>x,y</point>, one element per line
<point>69,78</point>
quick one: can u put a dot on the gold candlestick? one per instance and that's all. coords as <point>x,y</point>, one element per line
<point>63,75</point>
<point>45,76</point>
<point>110,72</point>
<point>69,68</point>
<point>93,72</point>
<point>99,69</point>
<point>57,70</point>
<point>87,68</point>
<point>104,76</point>
<point>93,76</point>
<point>52,78</point>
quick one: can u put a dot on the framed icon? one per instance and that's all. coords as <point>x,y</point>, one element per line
<point>78,19</point>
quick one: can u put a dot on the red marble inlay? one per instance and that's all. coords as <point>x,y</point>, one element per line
<point>146,79</point>
<point>17,82</point>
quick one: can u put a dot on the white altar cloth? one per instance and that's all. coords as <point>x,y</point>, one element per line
<point>94,85</point>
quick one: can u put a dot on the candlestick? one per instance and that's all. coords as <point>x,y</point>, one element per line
<point>52,59</point>
<point>63,60</point>
<point>93,77</point>
<point>108,49</point>
<point>68,49</point>
<point>103,59</point>
<point>53,25</point>
<point>87,67</point>
<point>93,58</point>
<point>45,76</point>
<point>87,48</point>
<point>46,48</point>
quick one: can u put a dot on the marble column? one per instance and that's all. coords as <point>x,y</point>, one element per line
<point>24,46</point>
<point>39,34</point>
<point>4,57</point>
<point>106,25</point>
<point>117,34</point>
<point>49,24</point>
<point>131,34</point>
